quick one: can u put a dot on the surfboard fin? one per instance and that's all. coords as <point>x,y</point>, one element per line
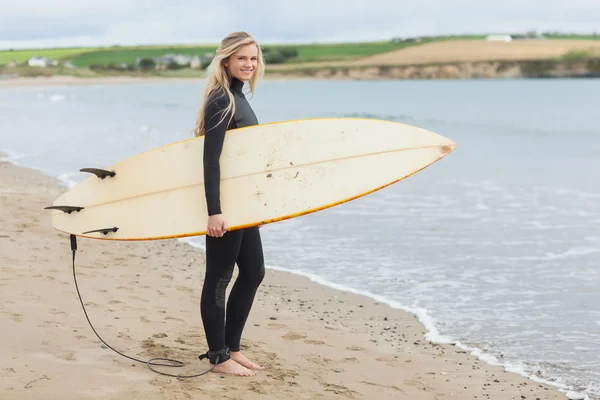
<point>100,173</point>
<point>104,231</point>
<point>66,209</point>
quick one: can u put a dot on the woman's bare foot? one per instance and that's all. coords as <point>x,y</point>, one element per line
<point>233,368</point>
<point>242,360</point>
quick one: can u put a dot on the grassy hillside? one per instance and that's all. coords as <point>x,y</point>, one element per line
<point>21,56</point>
<point>130,54</point>
<point>574,37</point>
<point>306,53</point>
<point>84,57</point>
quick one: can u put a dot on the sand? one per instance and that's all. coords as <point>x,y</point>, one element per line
<point>143,299</point>
<point>64,80</point>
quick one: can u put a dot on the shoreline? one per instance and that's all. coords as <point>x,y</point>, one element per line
<point>287,285</point>
<point>65,80</point>
<point>463,70</point>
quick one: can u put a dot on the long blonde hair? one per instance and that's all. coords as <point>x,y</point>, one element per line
<point>218,77</point>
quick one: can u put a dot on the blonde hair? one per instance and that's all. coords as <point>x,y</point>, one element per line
<point>218,76</point>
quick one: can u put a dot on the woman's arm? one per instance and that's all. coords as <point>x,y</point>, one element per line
<point>213,144</point>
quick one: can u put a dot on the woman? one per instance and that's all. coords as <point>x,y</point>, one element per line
<point>238,59</point>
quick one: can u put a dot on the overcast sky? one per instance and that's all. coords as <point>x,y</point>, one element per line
<point>60,23</point>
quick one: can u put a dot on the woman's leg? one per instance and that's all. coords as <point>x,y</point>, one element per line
<point>251,267</point>
<point>221,255</point>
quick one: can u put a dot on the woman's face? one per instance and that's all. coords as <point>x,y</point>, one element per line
<point>242,64</point>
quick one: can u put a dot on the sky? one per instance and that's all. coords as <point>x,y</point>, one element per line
<point>65,23</point>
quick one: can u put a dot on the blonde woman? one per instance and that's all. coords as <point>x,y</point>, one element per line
<point>238,60</point>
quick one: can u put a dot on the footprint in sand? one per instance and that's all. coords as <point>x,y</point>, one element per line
<point>276,325</point>
<point>354,348</point>
<point>388,360</point>
<point>124,335</point>
<point>160,382</point>
<point>66,355</point>
<point>315,342</point>
<point>386,388</point>
<point>417,384</point>
<point>16,317</point>
<point>339,390</point>
<point>138,298</point>
<point>294,336</point>
<point>319,360</point>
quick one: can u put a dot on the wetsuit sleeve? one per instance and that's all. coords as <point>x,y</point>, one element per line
<point>213,144</point>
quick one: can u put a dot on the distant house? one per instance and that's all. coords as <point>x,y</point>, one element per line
<point>406,40</point>
<point>38,62</point>
<point>535,34</point>
<point>499,38</point>
<point>177,59</point>
<point>182,60</point>
<point>196,63</point>
<point>41,62</point>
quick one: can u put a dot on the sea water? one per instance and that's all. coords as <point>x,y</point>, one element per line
<point>496,247</point>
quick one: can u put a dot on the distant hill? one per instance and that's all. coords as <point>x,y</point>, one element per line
<point>314,59</point>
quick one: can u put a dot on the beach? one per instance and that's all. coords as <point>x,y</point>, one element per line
<point>143,300</point>
<point>66,80</point>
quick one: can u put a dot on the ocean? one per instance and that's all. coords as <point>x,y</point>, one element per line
<point>495,248</point>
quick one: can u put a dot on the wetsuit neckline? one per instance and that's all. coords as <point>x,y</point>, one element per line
<point>236,85</point>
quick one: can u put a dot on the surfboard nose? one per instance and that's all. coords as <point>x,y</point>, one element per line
<point>448,148</point>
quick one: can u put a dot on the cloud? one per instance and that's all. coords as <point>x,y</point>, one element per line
<point>42,23</point>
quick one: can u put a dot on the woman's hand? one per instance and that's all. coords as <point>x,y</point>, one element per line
<point>217,225</point>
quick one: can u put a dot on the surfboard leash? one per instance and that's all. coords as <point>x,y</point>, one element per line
<point>151,362</point>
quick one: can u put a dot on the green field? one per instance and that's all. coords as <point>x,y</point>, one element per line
<point>84,57</point>
<point>574,37</point>
<point>306,52</point>
<point>128,55</point>
<point>21,56</point>
<point>341,51</point>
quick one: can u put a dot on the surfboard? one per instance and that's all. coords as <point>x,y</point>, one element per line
<point>269,172</point>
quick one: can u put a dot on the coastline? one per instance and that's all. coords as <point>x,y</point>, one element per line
<point>471,70</point>
<point>315,340</point>
<point>66,80</point>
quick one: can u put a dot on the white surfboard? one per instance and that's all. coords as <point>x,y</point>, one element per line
<point>269,172</point>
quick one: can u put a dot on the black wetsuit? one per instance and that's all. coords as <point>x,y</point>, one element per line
<point>243,246</point>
